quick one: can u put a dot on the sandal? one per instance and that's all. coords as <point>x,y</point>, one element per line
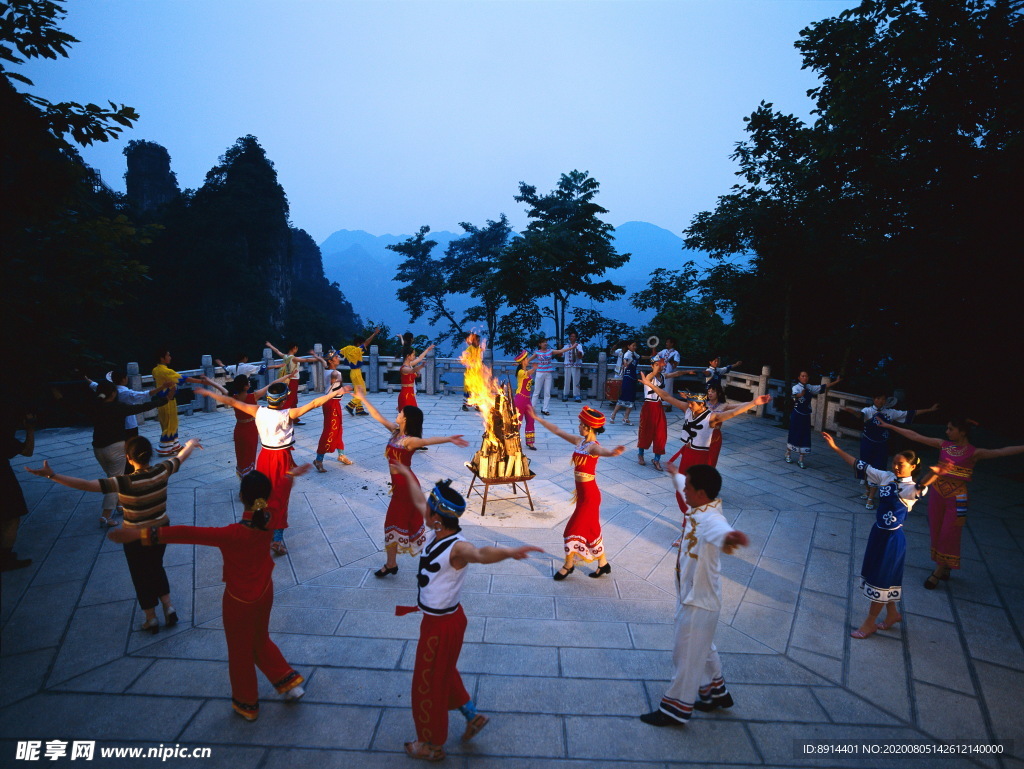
<point>627,422</point>
<point>474,725</point>
<point>789,459</point>
<point>150,625</point>
<point>931,583</point>
<point>888,625</point>
<point>858,633</point>
<point>278,548</point>
<point>344,460</point>
<point>640,461</point>
<point>801,464</point>
<point>424,751</point>
<point>656,464</point>
<point>107,522</point>
<point>319,466</point>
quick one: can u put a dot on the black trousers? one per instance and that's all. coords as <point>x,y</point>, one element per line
<point>146,564</point>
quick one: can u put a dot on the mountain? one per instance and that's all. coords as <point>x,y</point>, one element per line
<point>364,267</point>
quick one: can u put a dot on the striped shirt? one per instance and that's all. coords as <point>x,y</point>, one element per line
<point>544,363</point>
<point>143,494</point>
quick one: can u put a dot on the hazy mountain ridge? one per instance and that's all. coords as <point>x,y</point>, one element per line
<point>361,263</point>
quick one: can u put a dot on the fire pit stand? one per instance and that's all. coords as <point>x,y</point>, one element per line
<point>488,482</point>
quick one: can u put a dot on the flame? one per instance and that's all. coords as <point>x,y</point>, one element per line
<point>500,454</point>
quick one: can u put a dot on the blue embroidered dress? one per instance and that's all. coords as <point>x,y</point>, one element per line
<point>800,418</point>
<point>882,570</point>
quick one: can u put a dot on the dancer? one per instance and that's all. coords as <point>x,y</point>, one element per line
<point>275,423</point>
<point>129,397</point>
<point>882,569</point>
<point>472,358</point>
<point>524,385</point>
<point>670,357</point>
<point>947,504</point>
<point>874,439</point>
<point>582,533</point>
<point>713,373</point>
<point>699,424</point>
<point>697,681</point>
<point>108,444</point>
<point>332,437</point>
<point>242,368</point>
<point>403,525</point>
<point>653,428</point>
<point>248,593</point>
<point>800,418</point>
<point>143,495</point>
<point>290,365</point>
<point>573,368</point>
<point>246,436</point>
<point>14,506</point>
<point>545,375</point>
<point>717,404</point>
<point>354,355</point>
<point>411,365</point>
<point>166,378</point>
<point>627,394</point>
<point>436,684</point>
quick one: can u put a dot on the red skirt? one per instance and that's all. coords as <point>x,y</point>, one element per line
<point>583,531</point>
<point>293,394</point>
<point>406,397</point>
<point>692,457</point>
<point>247,443</point>
<point>277,464</point>
<point>403,524</point>
<point>436,684</point>
<point>331,437</point>
<point>653,428</point>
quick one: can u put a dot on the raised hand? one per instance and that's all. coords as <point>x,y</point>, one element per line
<point>458,440</point>
<point>618,450</point>
<point>519,553</point>
<point>43,472</point>
<point>760,400</point>
<point>829,440</point>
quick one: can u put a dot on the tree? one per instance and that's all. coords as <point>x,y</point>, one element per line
<point>427,285</point>
<point>565,247</point>
<point>591,326</point>
<point>471,266</point>
<point>684,308</point>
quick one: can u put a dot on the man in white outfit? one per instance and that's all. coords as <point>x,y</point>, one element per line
<point>697,682</point>
<point>573,367</point>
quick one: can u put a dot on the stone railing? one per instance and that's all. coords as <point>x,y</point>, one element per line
<point>443,376</point>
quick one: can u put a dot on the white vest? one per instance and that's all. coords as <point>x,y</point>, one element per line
<point>275,428</point>
<point>697,431</point>
<point>440,583</point>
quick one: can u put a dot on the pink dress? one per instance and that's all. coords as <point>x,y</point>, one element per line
<point>947,504</point>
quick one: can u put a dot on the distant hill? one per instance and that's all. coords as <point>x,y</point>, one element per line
<point>364,267</point>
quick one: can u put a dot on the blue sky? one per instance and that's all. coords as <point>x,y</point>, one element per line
<point>384,116</point>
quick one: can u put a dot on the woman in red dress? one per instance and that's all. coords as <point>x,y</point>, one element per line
<point>583,531</point>
<point>332,437</point>
<point>248,593</point>
<point>410,370</point>
<point>404,530</point>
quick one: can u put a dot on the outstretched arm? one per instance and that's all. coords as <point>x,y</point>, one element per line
<point>596,450</point>
<point>573,439</point>
<point>227,400</point>
<point>414,443</point>
<point>263,390</point>
<point>316,402</point>
<point>464,553</point>
<point>933,442</point>
<point>369,339</point>
<point>1007,451</point>
<point>725,416</point>
<point>186,450</point>
<point>848,458</point>
<point>391,426</point>
<point>422,356</point>
<point>274,350</point>
<point>64,480</point>
<point>919,412</point>
<point>666,396</point>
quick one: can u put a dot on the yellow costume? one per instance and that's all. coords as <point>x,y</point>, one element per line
<point>354,355</point>
<point>167,378</point>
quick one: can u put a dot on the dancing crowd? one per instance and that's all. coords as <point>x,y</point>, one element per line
<point>135,478</point>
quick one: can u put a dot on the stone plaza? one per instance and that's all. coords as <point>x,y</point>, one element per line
<point>562,668</point>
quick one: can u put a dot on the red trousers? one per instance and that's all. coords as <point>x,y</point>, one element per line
<point>332,438</point>
<point>522,402</point>
<point>436,683</point>
<point>247,442</point>
<point>276,464</point>
<point>653,428</point>
<point>293,394</point>
<point>249,647</point>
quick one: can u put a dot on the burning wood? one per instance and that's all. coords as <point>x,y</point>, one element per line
<point>500,457</point>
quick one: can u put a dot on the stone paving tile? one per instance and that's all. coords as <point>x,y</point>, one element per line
<point>846,708</point>
<point>111,678</point>
<point>619,611</point>
<point>386,625</point>
<point>195,678</point>
<point>990,634</point>
<point>41,617</point>
<point>289,619</point>
<point>24,674</point>
<point>96,635</point>
<point>876,659</point>
<point>947,715</point>
<point>768,626</point>
<point>820,624</point>
<point>775,584</point>
<point>503,659</point>
<point>284,725</point>
<point>1001,690</point>
<point>936,654</point>
<point>704,740</point>
<point>557,633</point>
<point>98,717</point>
<point>559,696</point>
<point>827,667</point>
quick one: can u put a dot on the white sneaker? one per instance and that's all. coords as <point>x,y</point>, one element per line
<point>294,694</point>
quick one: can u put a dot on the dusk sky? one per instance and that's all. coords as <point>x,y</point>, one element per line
<point>384,116</point>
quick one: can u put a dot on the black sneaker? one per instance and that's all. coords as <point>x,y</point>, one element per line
<point>725,701</point>
<point>465,407</point>
<point>657,718</point>
<point>546,413</point>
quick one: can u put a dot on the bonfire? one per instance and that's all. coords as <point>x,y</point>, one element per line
<point>500,457</point>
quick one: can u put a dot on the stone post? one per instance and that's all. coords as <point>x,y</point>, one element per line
<point>372,371</point>
<point>601,375</point>
<point>269,374</point>
<point>430,372</point>
<point>818,418</point>
<point>135,383</point>
<point>318,370</point>
<point>209,404</point>
<point>762,387</point>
